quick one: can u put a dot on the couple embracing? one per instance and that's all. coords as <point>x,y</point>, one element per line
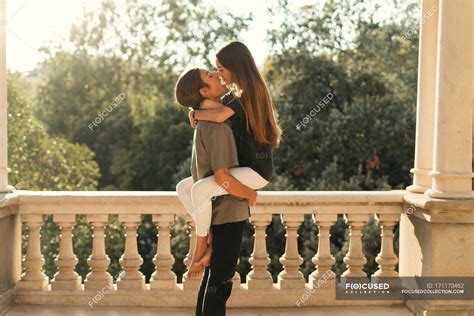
<point>236,131</point>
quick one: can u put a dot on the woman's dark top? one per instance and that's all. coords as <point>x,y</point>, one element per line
<point>251,154</point>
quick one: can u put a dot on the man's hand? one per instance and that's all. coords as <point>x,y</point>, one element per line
<point>234,186</point>
<point>192,121</point>
<point>252,197</point>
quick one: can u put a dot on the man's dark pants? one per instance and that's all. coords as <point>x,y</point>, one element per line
<point>216,283</point>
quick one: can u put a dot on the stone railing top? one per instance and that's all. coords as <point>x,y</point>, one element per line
<point>264,197</point>
<point>166,202</point>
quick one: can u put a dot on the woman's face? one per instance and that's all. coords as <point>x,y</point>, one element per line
<point>224,73</point>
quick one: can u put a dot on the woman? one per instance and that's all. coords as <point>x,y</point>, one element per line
<point>253,118</point>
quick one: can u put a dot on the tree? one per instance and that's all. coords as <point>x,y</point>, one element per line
<point>37,160</point>
<point>124,50</point>
<point>345,89</point>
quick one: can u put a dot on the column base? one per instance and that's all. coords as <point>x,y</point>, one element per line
<point>414,188</point>
<point>136,284</point>
<point>97,284</point>
<point>70,285</point>
<point>421,180</point>
<point>436,194</point>
<point>291,284</point>
<point>7,189</point>
<point>385,274</point>
<point>33,284</point>
<point>259,284</point>
<point>163,285</point>
<point>163,280</point>
<point>321,285</point>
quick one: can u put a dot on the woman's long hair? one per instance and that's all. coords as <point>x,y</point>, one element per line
<point>261,116</point>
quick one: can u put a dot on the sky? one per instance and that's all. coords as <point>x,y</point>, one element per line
<point>33,23</point>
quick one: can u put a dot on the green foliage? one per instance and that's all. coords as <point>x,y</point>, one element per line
<point>363,137</point>
<point>39,161</point>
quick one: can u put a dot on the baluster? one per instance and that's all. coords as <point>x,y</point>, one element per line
<point>131,278</point>
<point>190,284</point>
<point>291,276</point>
<point>323,260</point>
<point>259,277</point>
<point>66,278</point>
<point>98,278</point>
<point>163,277</point>
<point>33,278</point>
<point>355,259</point>
<point>386,258</point>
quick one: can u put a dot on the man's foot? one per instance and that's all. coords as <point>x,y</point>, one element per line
<point>206,259</point>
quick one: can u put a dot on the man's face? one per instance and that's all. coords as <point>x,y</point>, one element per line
<point>214,89</point>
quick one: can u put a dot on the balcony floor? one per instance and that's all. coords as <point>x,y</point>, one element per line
<point>28,310</point>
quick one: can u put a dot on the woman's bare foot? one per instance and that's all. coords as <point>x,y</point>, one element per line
<point>194,270</point>
<point>206,259</point>
<point>199,252</point>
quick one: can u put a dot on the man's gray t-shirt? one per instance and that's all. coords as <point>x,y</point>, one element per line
<point>214,148</point>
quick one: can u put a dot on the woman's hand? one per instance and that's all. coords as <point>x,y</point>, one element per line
<point>208,104</point>
<point>192,121</point>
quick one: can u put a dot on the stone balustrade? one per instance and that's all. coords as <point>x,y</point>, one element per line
<point>259,290</point>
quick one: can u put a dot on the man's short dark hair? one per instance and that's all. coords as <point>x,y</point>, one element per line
<point>187,88</point>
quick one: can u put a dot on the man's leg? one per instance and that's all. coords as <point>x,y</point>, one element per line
<point>202,290</point>
<point>225,253</point>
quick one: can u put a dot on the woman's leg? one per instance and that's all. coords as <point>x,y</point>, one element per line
<point>204,189</point>
<point>249,177</point>
<point>183,188</point>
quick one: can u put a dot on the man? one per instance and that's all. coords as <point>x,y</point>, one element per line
<point>214,152</point>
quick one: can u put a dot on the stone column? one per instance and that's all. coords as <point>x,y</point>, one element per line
<point>452,154</point>
<point>99,261</point>
<point>33,278</point>
<point>131,278</point>
<point>4,187</point>
<point>163,277</point>
<point>291,276</point>
<point>355,259</point>
<point>259,277</point>
<point>426,97</point>
<point>437,239</point>
<point>66,278</point>
<point>386,258</point>
<point>323,276</point>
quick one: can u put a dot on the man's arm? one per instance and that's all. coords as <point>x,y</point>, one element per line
<point>234,186</point>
